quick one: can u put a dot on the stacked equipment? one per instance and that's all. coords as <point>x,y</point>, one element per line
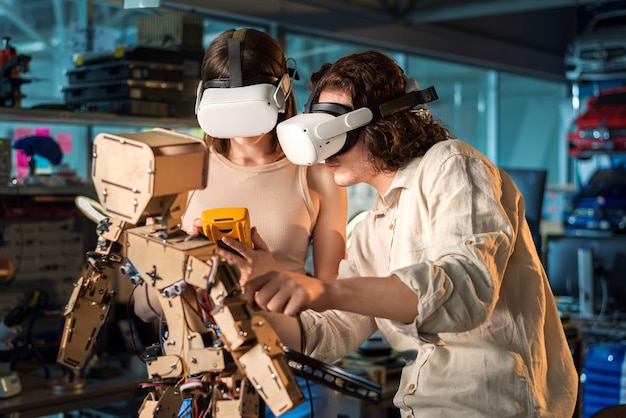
<point>138,81</point>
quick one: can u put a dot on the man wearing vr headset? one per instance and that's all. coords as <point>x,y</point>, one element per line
<point>244,92</point>
<point>443,266</point>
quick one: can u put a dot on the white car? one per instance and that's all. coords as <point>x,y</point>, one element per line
<point>599,52</point>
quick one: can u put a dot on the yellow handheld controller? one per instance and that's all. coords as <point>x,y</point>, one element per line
<point>229,222</point>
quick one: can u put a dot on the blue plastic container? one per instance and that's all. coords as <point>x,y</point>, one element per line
<point>604,377</point>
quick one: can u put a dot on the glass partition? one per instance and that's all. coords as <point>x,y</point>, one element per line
<point>516,121</point>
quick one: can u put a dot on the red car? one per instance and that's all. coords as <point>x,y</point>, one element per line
<point>602,127</point>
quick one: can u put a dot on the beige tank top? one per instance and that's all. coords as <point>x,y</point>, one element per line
<point>278,200</point>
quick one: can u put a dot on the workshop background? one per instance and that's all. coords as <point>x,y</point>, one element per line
<point>514,79</point>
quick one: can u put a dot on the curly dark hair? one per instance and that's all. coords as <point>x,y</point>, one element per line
<point>372,78</point>
<point>262,56</point>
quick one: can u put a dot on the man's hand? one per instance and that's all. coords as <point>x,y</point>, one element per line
<point>253,262</point>
<point>287,293</point>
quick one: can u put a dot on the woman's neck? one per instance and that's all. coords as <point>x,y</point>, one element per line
<point>252,151</point>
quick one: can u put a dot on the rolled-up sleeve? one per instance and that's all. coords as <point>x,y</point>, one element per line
<point>330,335</point>
<point>464,242</point>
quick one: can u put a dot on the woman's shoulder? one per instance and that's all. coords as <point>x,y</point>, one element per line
<point>322,181</point>
<point>318,174</point>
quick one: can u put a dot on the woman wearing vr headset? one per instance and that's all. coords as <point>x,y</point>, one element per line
<point>245,91</point>
<point>443,266</point>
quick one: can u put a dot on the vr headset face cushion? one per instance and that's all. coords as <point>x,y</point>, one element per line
<point>238,112</point>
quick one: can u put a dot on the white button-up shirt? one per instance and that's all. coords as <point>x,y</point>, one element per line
<point>487,340</point>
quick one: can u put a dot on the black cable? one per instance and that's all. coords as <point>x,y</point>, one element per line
<point>154,311</point>
<point>302,334</point>
<point>130,316</point>
<point>302,348</point>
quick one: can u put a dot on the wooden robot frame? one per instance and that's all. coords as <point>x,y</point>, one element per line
<point>217,350</point>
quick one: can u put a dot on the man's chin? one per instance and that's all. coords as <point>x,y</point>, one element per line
<point>342,180</point>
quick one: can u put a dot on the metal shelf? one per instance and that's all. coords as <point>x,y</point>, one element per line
<point>42,190</point>
<point>67,117</point>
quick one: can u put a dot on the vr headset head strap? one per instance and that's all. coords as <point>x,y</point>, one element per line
<point>226,83</point>
<point>234,57</point>
<point>309,101</point>
<point>334,109</point>
<point>356,119</point>
<point>411,100</point>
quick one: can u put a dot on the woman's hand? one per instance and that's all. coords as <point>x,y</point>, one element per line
<point>252,262</point>
<point>196,227</point>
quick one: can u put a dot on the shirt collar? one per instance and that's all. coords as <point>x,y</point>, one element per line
<point>403,179</point>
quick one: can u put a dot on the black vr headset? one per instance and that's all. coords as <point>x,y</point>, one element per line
<point>233,107</point>
<point>329,129</point>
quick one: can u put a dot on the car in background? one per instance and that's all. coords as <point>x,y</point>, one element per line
<point>602,126</point>
<point>599,52</point>
<point>599,206</point>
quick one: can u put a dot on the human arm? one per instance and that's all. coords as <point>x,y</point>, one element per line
<point>290,293</point>
<point>329,233</point>
<point>286,327</point>
<point>146,303</point>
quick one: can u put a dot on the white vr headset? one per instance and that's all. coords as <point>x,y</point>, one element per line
<point>241,111</point>
<point>328,129</point>
<point>233,108</point>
